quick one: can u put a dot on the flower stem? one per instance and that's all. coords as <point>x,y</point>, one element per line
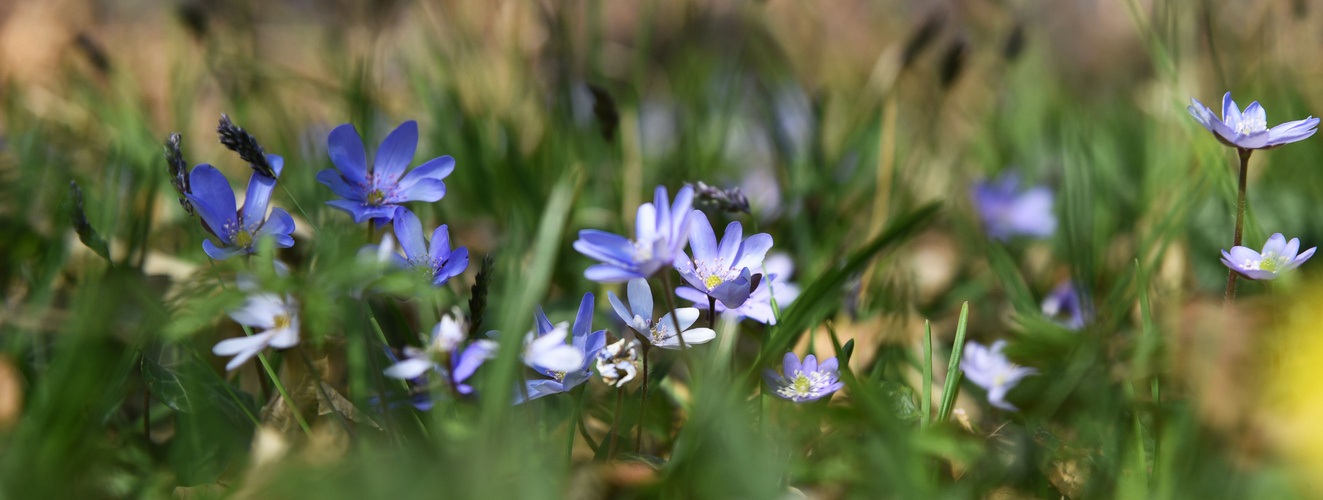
<point>1230,295</point>
<point>711,312</point>
<point>300,207</point>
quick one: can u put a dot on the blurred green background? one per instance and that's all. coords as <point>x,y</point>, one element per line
<point>838,119</point>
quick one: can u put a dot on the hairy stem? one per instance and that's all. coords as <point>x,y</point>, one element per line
<point>615,424</point>
<point>1240,223</point>
<point>643,405</point>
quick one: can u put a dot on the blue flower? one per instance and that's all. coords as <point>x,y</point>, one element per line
<point>238,229</point>
<point>658,332</point>
<point>1249,129</point>
<point>722,271</point>
<point>661,232</point>
<point>777,269</point>
<point>1278,256</point>
<point>805,382</point>
<point>375,193</point>
<point>1007,212</point>
<point>445,340</point>
<point>1066,305</point>
<point>435,262</point>
<point>988,368</point>
<point>586,343</point>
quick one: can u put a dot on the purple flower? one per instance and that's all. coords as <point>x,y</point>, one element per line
<point>1278,256</point>
<point>587,343</point>
<point>777,269</point>
<point>374,193</point>
<point>1007,212</point>
<point>417,363</point>
<point>658,332</point>
<point>805,382</point>
<point>435,261</point>
<point>238,230</point>
<point>722,271</point>
<point>661,233</point>
<point>1249,129</point>
<point>989,369</point>
<point>1066,305</point>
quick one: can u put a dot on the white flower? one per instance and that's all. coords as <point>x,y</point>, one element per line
<point>278,318</point>
<point>550,351</point>
<point>618,362</point>
<point>661,332</point>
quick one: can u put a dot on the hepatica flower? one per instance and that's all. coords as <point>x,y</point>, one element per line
<point>438,356</point>
<point>618,362</point>
<point>238,229</point>
<point>722,271</point>
<point>988,368</point>
<point>586,342</point>
<point>374,193</point>
<point>804,382</point>
<point>1007,211</point>
<point>777,269</point>
<point>1278,256</point>
<point>278,319</point>
<point>661,232</point>
<point>1065,305</point>
<point>433,260</point>
<point>659,332</point>
<point>1249,129</point>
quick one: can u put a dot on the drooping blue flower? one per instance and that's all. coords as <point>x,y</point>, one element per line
<point>1278,256</point>
<point>1008,212</point>
<point>722,270</point>
<point>661,232</point>
<point>777,269</point>
<point>374,193</point>
<point>988,368</point>
<point>659,332</point>
<point>435,261</point>
<point>238,229</point>
<point>1065,305</point>
<point>582,339</point>
<point>1249,129</point>
<point>801,383</point>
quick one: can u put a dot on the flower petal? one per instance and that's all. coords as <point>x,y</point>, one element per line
<point>362,212</point>
<point>346,150</point>
<point>790,364</point>
<point>220,253</point>
<point>424,183</point>
<point>439,247</point>
<point>702,238</point>
<point>583,320</point>
<point>213,198</point>
<point>730,244</point>
<point>1275,244</point>
<point>408,369</point>
<point>332,179</point>
<point>395,154</point>
<point>256,200</point>
<point>607,273</point>
<point>640,297</point>
<point>409,232</point>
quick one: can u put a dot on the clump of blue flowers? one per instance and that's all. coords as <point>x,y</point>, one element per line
<point>774,285</point>
<point>375,192</point>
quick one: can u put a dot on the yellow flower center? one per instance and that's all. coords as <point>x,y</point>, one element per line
<point>376,197</point>
<point>243,238</point>
<point>712,281</point>
<point>802,384</point>
<point>282,321</point>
